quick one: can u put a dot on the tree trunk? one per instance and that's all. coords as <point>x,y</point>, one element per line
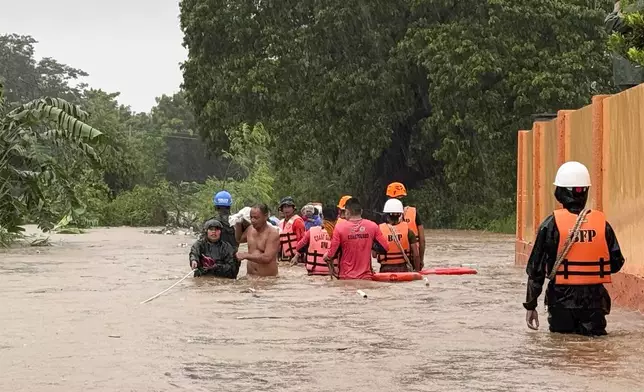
<point>393,163</point>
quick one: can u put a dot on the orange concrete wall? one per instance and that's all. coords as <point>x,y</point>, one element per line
<point>529,213</point>
<point>524,197</point>
<point>549,156</point>
<point>544,166</point>
<point>624,161</point>
<point>580,146</point>
<point>608,137</point>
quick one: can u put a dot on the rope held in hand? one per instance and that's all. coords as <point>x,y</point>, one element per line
<point>568,244</point>
<point>410,267</point>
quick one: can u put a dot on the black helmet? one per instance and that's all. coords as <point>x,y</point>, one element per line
<point>212,223</point>
<point>287,201</point>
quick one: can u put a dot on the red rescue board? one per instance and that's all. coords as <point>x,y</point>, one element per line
<point>397,276</point>
<point>449,271</point>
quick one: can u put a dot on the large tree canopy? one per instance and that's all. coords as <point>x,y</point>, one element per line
<point>356,94</point>
<point>172,114</point>
<point>49,170</point>
<point>27,79</point>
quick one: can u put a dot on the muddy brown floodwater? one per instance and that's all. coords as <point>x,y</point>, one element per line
<point>70,320</point>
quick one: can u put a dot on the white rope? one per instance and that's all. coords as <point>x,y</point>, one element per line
<point>168,289</point>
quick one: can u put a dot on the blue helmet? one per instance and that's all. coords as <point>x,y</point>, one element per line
<point>222,199</point>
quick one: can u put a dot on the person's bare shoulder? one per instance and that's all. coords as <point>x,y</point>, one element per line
<point>245,235</point>
<point>273,234</point>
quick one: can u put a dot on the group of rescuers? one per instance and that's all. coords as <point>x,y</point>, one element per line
<point>574,247</point>
<point>340,243</point>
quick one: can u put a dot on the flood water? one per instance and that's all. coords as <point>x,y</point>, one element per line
<point>71,320</point>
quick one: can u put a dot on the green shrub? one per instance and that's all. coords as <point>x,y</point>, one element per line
<point>142,206</point>
<point>507,225</point>
<point>184,204</point>
<point>441,208</point>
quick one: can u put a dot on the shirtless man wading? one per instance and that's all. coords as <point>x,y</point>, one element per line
<point>263,244</point>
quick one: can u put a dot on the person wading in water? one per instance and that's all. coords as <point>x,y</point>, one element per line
<point>354,238</point>
<point>314,245</point>
<point>223,201</point>
<point>577,249</point>
<point>402,253</point>
<point>211,256</point>
<point>291,229</point>
<point>397,190</point>
<point>263,244</point>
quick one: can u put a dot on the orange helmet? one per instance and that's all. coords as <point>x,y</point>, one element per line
<point>396,189</point>
<point>343,201</point>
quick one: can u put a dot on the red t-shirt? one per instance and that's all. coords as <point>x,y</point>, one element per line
<point>355,238</point>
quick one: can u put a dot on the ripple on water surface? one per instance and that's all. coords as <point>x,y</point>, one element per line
<point>72,312</point>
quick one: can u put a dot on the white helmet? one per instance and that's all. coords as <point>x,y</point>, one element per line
<point>572,174</point>
<point>393,206</point>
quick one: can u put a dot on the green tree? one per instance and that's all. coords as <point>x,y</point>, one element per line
<point>356,94</point>
<point>172,114</point>
<point>489,74</point>
<point>323,77</point>
<point>31,135</point>
<point>26,79</point>
<point>136,154</point>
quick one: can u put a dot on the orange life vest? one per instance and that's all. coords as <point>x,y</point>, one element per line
<point>588,261</point>
<point>394,255</point>
<point>410,217</point>
<point>319,245</point>
<point>288,240</point>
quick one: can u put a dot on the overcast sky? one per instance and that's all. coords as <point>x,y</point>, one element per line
<point>130,46</point>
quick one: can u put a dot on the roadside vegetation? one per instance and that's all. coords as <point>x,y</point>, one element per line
<point>313,101</point>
